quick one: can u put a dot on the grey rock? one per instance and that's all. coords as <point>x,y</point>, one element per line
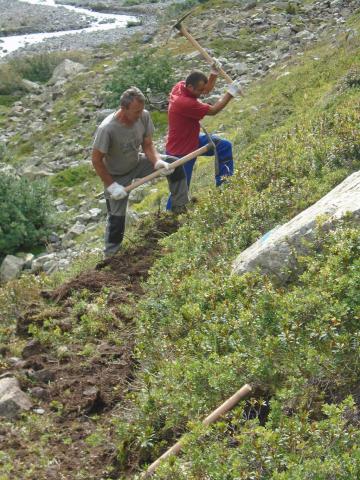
<point>75,230</point>
<point>240,68</point>
<point>280,4</point>
<point>284,32</point>
<point>95,214</point>
<point>45,375</point>
<point>101,114</point>
<point>12,399</point>
<point>31,348</point>
<point>278,19</point>
<point>5,168</point>
<point>66,69</point>
<point>50,266</point>
<point>28,259</point>
<point>83,218</point>
<point>131,218</point>
<point>146,39</point>
<point>138,194</point>
<point>193,55</point>
<point>38,264</point>
<point>305,35</point>
<point>274,252</point>
<point>32,172</point>
<point>39,392</point>
<point>11,268</point>
<point>250,5</point>
<point>31,87</point>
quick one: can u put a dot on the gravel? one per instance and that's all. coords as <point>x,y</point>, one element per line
<point>19,18</point>
<point>23,18</point>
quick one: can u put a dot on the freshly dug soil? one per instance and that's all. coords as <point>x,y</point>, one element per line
<point>78,392</point>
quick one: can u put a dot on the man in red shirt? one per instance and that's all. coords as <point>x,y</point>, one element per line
<point>185,112</point>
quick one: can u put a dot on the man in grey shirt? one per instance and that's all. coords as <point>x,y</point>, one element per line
<point>117,160</point>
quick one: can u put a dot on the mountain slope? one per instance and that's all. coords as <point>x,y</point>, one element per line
<point>200,333</point>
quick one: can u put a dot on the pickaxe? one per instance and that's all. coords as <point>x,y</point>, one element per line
<point>183,31</point>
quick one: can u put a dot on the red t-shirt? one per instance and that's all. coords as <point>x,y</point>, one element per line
<point>185,112</point>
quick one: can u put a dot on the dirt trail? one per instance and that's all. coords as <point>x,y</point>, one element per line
<point>76,390</point>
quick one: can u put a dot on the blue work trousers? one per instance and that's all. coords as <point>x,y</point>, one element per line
<point>225,161</point>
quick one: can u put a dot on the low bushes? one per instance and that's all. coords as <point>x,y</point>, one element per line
<point>37,68</point>
<point>25,214</point>
<point>152,74</point>
<point>203,333</point>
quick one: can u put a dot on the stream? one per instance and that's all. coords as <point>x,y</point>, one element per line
<point>99,22</point>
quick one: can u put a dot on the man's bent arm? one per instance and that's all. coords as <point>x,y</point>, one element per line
<point>150,150</point>
<point>210,83</point>
<point>98,162</point>
<point>220,104</point>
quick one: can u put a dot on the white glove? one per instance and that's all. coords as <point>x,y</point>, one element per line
<point>234,89</point>
<point>215,67</point>
<point>166,167</point>
<point>117,191</point>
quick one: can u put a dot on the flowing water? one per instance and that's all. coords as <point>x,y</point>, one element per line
<point>101,21</point>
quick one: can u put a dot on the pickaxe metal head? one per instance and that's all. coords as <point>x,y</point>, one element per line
<point>177,25</point>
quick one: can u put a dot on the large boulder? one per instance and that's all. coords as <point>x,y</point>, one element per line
<point>66,69</point>
<point>12,399</point>
<point>274,252</point>
<point>31,87</point>
<point>10,268</point>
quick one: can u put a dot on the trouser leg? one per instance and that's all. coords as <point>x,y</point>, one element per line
<point>224,154</point>
<point>115,222</point>
<point>178,185</point>
<point>115,225</point>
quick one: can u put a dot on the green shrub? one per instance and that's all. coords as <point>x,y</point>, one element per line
<point>8,100</point>
<point>291,9</point>
<point>144,70</point>
<point>10,82</point>
<point>37,68</point>
<point>40,67</point>
<point>25,214</point>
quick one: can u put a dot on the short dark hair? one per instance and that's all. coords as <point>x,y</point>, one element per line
<point>194,78</point>
<point>132,93</point>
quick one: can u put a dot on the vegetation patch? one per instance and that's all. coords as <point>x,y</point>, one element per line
<point>152,73</point>
<point>72,176</point>
<point>25,216</point>
<point>142,347</point>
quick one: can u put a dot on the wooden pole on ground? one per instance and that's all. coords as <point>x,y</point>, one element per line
<point>225,407</point>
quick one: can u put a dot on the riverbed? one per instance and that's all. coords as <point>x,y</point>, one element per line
<point>44,25</point>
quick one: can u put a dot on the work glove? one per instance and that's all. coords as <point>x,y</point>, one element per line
<point>215,67</point>
<point>166,167</point>
<point>234,89</point>
<point>117,191</point>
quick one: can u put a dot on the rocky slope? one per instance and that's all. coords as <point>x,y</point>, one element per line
<point>71,347</point>
<point>276,35</point>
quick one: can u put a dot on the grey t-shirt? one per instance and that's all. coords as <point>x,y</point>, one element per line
<point>121,143</point>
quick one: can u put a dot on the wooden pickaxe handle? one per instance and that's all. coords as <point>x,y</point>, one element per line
<point>175,164</point>
<point>203,52</point>
<point>157,173</point>
<point>213,417</point>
